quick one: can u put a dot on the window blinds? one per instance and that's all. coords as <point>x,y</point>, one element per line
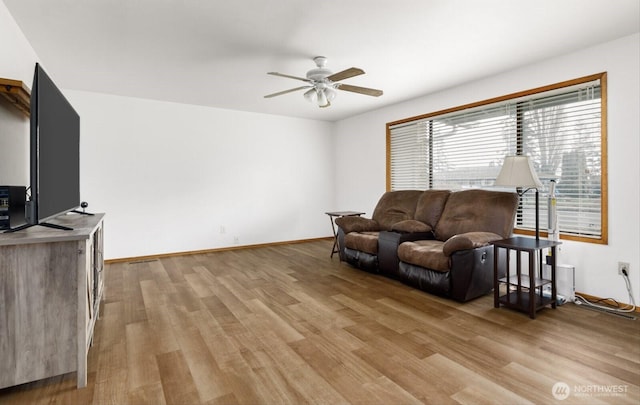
<point>560,130</point>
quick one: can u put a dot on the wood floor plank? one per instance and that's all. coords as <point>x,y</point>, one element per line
<point>162,333</point>
<point>385,391</point>
<point>409,377</point>
<point>115,292</point>
<point>272,321</point>
<point>112,389</point>
<point>112,362</point>
<point>147,395</point>
<point>198,284</point>
<point>141,355</point>
<point>309,311</point>
<point>288,324</point>
<point>177,382</point>
<point>526,382</point>
<point>204,370</point>
<point>134,309</point>
<point>271,381</point>
<point>111,320</point>
<point>394,320</point>
<point>488,393</point>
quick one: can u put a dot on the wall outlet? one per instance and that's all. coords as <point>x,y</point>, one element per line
<point>222,230</point>
<point>236,240</point>
<point>623,266</point>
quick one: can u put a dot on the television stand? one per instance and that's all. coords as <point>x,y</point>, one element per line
<point>52,284</point>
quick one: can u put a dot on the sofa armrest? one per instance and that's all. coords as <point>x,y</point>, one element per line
<point>469,240</point>
<point>410,226</point>
<point>357,224</point>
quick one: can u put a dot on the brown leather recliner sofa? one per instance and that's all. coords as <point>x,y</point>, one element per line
<point>436,240</point>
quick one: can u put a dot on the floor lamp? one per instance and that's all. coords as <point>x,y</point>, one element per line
<point>517,171</point>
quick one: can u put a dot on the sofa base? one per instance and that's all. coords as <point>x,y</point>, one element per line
<point>431,281</point>
<point>361,260</point>
<point>471,274</point>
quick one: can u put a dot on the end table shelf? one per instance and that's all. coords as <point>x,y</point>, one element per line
<point>525,281</point>
<point>521,294</point>
<point>521,301</point>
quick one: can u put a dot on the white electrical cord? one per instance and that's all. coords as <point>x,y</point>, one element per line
<point>629,308</point>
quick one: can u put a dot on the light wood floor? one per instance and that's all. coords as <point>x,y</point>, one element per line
<point>289,325</point>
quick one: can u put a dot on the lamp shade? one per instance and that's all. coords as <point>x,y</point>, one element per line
<point>517,171</point>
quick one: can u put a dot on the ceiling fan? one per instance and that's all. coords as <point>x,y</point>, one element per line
<point>322,83</point>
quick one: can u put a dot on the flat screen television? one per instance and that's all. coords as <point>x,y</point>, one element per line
<point>54,153</point>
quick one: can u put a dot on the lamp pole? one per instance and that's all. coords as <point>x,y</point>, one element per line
<point>537,216</point>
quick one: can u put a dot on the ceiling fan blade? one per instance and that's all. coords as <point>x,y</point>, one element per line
<point>286,91</point>
<point>360,90</point>
<point>288,76</point>
<point>345,74</point>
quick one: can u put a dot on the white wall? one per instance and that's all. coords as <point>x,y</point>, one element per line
<point>17,61</point>
<point>174,177</point>
<point>361,148</point>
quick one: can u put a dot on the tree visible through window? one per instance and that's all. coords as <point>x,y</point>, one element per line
<point>560,127</point>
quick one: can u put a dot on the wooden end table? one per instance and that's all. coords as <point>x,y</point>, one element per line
<point>524,292</point>
<point>337,214</point>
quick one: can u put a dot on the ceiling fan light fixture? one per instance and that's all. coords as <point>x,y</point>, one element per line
<point>331,93</point>
<point>311,95</point>
<point>322,99</point>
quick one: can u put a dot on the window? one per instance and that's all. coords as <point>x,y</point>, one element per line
<point>561,127</point>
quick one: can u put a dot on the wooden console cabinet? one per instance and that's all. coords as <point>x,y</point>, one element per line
<point>51,284</point>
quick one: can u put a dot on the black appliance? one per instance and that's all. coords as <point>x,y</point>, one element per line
<point>12,203</point>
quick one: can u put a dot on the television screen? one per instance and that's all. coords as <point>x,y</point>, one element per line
<point>55,150</point>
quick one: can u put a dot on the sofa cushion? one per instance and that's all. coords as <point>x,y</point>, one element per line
<point>410,226</point>
<point>424,253</point>
<point>477,210</point>
<point>395,206</point>
<point>469,240</point>
<point>362,241</point>
<point>430,206</point>
<point>356,224</point>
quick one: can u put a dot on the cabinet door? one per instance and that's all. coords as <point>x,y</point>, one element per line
<point>39,283</point>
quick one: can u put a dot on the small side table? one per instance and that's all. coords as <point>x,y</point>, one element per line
<point>332,216</point>
<point>524,292</point>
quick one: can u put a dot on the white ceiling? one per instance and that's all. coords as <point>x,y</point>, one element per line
<point>217,52</point>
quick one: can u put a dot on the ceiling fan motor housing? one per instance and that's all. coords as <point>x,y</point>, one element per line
<point>319,73</point>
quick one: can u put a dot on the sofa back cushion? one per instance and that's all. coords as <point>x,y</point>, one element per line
<point>395,206</point>
<point>430,206</point>
<point>477,211</point>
